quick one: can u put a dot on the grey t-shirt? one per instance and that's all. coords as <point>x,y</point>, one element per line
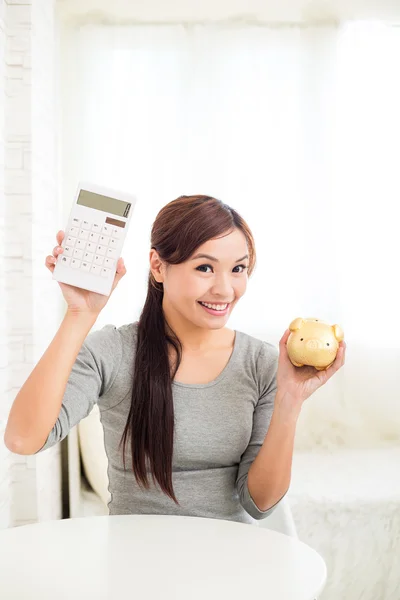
<point>219,426</point>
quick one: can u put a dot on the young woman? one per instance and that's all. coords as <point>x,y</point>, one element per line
<point>209,412</point>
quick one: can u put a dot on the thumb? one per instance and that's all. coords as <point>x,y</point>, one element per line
<point>283,353</point>
<point>284,339</point>
<point>120,272</point>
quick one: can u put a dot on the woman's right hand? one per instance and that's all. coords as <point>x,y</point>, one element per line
<point>77,299</point>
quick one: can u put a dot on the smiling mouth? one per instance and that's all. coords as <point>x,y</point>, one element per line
<point>219,307</point>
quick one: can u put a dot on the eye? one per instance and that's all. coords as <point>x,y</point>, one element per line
<point>243,266</point>
<point>203,266</point>
<point>209,266</point>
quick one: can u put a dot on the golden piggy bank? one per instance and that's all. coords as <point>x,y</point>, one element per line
<point>313,342</point>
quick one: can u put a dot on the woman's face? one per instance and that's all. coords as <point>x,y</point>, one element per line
<point>219,280</point>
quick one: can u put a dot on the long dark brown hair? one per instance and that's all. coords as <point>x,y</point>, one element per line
<point>178,230</point>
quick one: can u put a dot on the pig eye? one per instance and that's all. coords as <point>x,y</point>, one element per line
<point>327,344</point>
<point>301,339</point>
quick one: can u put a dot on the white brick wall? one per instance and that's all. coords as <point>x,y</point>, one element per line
<point>4,342</point>
<point>30,303</point>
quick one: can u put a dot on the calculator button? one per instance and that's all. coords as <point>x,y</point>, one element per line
<point>85,266</point>
<point>111,253</point>
<point>86,225</point>
<point>96,227</point>
<point>71,241</point>
<point>117,232</point>
<point>65,260</point>
<point>101,250</point>
<point>68,251</point>
<point>76,222</point>
<point>81,244</point>
<point>88,256</point>
<point>78,253</point>
<point>93,237</point>
<point>73,231</point>
<point>114,243</point>
<point>106,229</point>
<point>98,260</point>
<point>109,262</point>
<point>104,239</point>
<point>75,263</point>
<point>83,234</point>
<point>105,272</point>
<point>95,269</point>
<point>91,246</point>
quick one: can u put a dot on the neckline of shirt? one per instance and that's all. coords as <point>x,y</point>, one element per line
<point>224,372</point>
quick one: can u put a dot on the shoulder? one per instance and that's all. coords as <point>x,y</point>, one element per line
<point>262,358</point>
<point>110,338</point>
<point>262,352</point>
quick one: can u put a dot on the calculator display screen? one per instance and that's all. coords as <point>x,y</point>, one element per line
<point>100,202</point>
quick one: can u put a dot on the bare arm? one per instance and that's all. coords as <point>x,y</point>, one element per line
<point>270,474</point>
<point>38,403</point>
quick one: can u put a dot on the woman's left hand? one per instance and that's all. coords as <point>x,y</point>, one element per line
<point>296,384</point>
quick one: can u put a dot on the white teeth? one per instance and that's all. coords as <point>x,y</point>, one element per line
<point>215,306</point>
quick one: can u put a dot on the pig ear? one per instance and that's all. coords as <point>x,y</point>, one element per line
<point>296,324</point>
<point>338,332</point>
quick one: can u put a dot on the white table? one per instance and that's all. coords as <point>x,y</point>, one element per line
<point>155,557</point>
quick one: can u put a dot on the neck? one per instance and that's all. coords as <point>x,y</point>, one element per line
<point>192,337</point>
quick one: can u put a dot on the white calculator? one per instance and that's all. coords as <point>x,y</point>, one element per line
<point>94,236</point>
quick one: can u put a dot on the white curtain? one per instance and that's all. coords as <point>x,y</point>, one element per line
<point>296,128</point>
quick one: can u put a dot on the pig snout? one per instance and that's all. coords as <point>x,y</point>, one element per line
<point>313,344</point>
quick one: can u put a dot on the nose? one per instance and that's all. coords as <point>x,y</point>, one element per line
<point>313,344</point>
<point>222,286</point>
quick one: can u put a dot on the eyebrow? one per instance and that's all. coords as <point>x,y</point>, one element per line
<point>216,259</point>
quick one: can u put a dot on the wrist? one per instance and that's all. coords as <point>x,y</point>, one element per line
<point>286,406</point>
<point>80,318</point>
<point>75,313</point>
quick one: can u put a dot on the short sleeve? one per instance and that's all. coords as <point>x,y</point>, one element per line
<point>92,375</point>
<point>266,368</point>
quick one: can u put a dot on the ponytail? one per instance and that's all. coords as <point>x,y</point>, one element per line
<point>151,417</point>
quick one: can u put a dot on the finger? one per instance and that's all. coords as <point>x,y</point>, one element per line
<point>339,360</point>
<point>121,269</point>
<point>343,352</point>
<point>285,336</point>
<point>120,272</point>
<point>60,236</point>
<point>50,262</point>
<point>57,250</point>
<point>340,353</point>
